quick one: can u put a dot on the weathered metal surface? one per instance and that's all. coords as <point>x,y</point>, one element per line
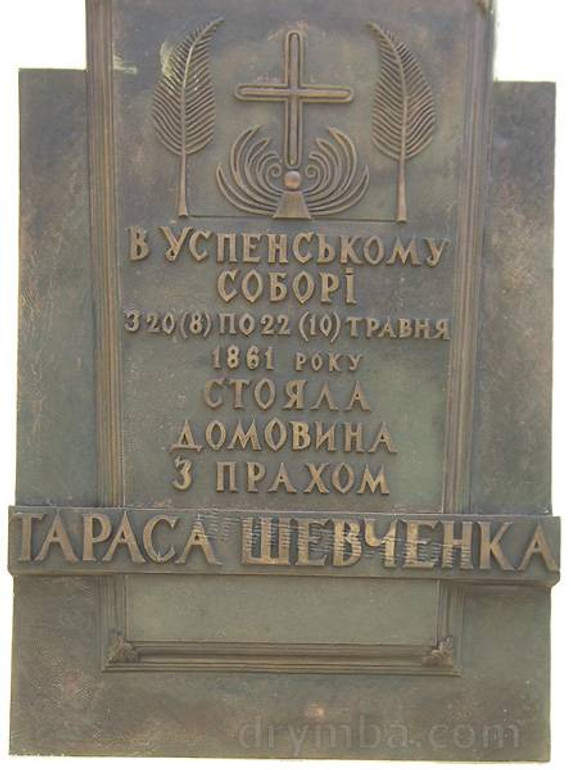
<point>285,395</point>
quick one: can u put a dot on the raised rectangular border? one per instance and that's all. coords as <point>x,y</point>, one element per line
<point>119,653</point>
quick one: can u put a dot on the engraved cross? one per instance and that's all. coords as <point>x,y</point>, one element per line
<point>294,93</point>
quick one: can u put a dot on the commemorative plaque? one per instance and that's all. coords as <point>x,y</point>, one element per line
<point>284,406</point>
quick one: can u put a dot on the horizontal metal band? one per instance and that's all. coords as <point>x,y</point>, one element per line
<point>81,541</point>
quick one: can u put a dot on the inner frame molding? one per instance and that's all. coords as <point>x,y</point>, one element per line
<point>121,652</point>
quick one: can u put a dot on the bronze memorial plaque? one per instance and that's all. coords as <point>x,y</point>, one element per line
<point>285,378</point>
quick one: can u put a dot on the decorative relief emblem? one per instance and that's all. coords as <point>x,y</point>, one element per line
<point>330,179</point>
<point>404,117</point>
<point>183,108</point>
<point>260,182</point>
<point>333,185</point>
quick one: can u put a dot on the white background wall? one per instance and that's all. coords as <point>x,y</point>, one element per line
<point>534,43</point>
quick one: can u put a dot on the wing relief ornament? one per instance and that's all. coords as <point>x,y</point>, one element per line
<point>260,181</point>
<point>183,107</point>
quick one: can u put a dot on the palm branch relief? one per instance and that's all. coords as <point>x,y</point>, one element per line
<point>183,107</point>
<point>404,116</point>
